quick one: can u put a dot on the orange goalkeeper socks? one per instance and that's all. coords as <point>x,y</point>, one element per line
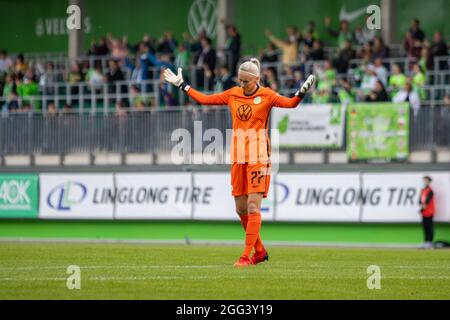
<point>259,247</point>
<point>252,232</point>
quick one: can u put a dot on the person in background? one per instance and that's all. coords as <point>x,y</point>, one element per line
<point>344,32</point>
<point>439,49</point>
<point>346,93</point>
<point>418,81</point>
<point>224,79</point>
<point>381,71</point>
<point>316,53</point>
<point>289,48</point>
<point>398,80</point>
<point>427,210</point>
<point>378,94</point>
<point>232,48</point>
<point>407,94</point>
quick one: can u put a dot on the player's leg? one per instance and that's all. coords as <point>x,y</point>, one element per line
<point>241,210</point>
<point>239,192</point>
<point>258,187</point>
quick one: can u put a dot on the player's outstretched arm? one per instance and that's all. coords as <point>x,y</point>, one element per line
<point>177,80</point>
<point>284,102</point>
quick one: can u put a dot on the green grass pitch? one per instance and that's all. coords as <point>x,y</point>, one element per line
<point>144,271</point>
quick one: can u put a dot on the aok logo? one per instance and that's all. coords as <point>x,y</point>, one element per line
<point>244,112</point>
<point>14,192</point>
<point>65,195</point>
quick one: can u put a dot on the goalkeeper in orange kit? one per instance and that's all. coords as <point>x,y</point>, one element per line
<point>250,106</point>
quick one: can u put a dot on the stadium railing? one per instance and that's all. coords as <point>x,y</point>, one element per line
<point>150,130</point>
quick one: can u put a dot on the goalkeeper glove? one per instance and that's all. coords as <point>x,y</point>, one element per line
<point>305,87</point>
<point>176,79</point>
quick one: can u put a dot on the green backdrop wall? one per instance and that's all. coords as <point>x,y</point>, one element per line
<point>39,25</point>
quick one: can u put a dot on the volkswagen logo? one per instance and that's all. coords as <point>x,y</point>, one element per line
<point>202,16</point>
<point>244,112</point>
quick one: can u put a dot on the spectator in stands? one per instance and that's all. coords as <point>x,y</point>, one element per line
<point>206,64</point>
<point>118,50</point>
<point>344,32</point>
<point>74,75</point>
<point>407,94</point>
<point>346,93</point>
<point>28,90</point>
<point>195,46</point>
<point>138,70</point>
<point>412,46</point>
<point>298,79</point>
<point>364,36</point>
<point>20,66</point>
<point>427,210</point>
<point>416,32</point>
<point>418,81</point>
<point>95,78</point>
<point>269,79</point>
<point>316,53</point>
<point>446,102</point>
<point>167,44</point>
<point>378,94</point>
<point>294,35</point>
<point>287,79</point>
<point>344,56</point>
<point>321,96</point>
<point>121,110</point>
<point>137,101</point>
<point>232,48</point>
<point>224,79</point>
<point>326,76</point>
<point>308,40</point>
<point>379,49</point>
<point>397,80</point>
<point>148,42</point>
<point>439,49</point>
<point>114,72</point>
<point>5,62</point>
<point>381,71</point>
<point>426,59</point>
<point>48,79</point>
<point>92,48</point>
<point>289,48</point>
<point>311,31</point>
<point>51,109</point>
<point>102,48</point>
<point>183,58</point>
<point>368,81</point>
<point>9,95</point>
<point>268,55</point>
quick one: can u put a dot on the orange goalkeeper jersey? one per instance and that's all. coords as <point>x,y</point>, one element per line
<point>250,117</point>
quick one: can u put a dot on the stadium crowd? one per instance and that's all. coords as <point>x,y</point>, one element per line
<point>285,62</point>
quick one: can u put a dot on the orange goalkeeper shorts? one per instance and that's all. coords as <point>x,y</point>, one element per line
<point>250,178</point>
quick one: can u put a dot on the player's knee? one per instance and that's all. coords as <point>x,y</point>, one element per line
<point>241,211</point>
<point>252,207</point>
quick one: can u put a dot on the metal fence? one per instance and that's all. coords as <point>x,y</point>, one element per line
<point>150,131</point>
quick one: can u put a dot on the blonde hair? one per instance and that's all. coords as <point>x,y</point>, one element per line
<point>252,67</point>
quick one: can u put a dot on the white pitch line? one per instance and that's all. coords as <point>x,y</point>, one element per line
<point>113,267</point>
<point>146,278</point>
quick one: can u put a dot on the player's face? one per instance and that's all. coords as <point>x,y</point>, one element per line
<point>247,82</point>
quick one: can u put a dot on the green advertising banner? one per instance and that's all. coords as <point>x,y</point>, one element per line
<point>18,196</point>
<point>378,132</point>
